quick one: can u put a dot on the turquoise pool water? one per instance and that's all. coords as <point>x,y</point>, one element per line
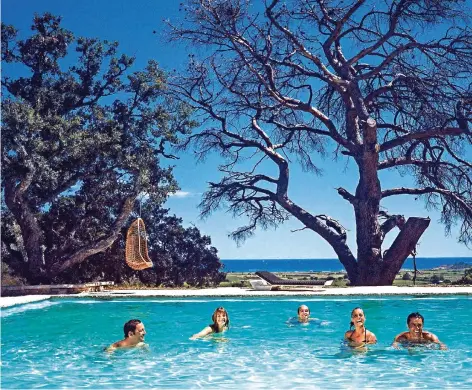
<point>59,344</point>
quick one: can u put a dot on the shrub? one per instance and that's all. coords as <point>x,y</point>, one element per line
<point>435,279</point>
<point>9,278</point>
<point>406,276</point>
<point>467,278</point>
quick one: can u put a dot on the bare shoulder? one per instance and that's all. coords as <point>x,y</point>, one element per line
<point>371,337</point>
<point>430,336</point>
<point>207,330</point>
<point>348,334</point>
<point>118,344</point>
<point>402,336</point>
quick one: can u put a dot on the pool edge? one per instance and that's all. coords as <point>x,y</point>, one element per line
<point>13,301</point>
<point>247,292</point>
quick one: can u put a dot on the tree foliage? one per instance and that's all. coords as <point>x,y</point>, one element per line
<point>180,256</point>
<point>82,136</point>
<point>467,278</point>
<point>386,85</point>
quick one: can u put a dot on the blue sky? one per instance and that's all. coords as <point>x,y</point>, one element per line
<point>132,23</point>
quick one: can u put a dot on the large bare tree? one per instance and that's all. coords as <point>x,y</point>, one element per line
<point>385,84</point>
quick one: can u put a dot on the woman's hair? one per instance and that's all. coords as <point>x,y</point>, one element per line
<point>220,309</point>
<point>414,315</point>
<point>298,311</point>
<point>352,312</point>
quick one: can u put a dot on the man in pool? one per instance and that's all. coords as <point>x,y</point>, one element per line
<point>134,336</point>
<point>416,334</point>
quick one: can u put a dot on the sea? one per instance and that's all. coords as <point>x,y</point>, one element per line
<point>328,265</point>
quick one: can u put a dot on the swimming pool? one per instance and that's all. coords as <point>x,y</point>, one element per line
<point>59,344</point>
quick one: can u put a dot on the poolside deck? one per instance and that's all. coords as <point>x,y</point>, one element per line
<point>247,292</point>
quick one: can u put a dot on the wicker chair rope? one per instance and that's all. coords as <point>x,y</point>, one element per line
<point>136,246</point>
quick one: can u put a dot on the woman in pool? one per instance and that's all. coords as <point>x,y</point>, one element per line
<point>359,336</point>
<point>303,318</point>
<point>220,320</point>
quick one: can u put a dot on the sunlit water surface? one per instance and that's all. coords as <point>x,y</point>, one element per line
<point>59,344</point>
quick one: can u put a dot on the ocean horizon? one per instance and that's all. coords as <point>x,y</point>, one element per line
<point>327,265</point>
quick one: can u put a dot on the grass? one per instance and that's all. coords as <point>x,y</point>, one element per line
<point>423,277</point>
<point>241,279</point>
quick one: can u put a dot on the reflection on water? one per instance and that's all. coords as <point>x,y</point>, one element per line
<point>369,354</point>
<point>61,345</point>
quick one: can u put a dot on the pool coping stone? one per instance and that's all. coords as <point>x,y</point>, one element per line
<point>12,301</point>
<point>246,292</point>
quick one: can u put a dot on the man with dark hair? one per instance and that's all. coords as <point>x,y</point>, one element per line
<point>134,335</point>
<point>416,334</point>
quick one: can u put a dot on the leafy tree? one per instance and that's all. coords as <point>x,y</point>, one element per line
<point>435,279</point>
<point>180,255</point>
<point>467,278</point>
<point>385,85</point>
<point>82,136</point>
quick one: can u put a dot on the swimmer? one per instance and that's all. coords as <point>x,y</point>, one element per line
<point>416,334</point>
<point>360,336</point>
<point>303,314</point>
<point>134,336</point>
<point>303,317</point>
<point>220,323</point>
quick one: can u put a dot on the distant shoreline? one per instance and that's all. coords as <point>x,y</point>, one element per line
<point>334,265</point>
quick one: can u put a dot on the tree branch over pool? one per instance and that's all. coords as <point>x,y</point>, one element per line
<point>385,84</point>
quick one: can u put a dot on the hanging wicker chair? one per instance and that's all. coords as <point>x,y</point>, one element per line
<point>136,246</point>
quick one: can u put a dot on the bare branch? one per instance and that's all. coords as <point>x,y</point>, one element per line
<point>425,134</point>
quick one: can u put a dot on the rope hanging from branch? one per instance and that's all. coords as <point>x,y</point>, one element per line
<point>413,253</point>
<point>137,256</point>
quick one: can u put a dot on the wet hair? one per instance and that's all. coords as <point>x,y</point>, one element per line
<point>130,326</point>
<point>220,309</point>
<point>414,315</point>
<point>352,312</point>
<point>298,311</point>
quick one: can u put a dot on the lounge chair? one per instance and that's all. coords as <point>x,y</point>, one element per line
<point>274,280</point>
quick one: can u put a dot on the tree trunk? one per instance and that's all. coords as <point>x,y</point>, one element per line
<point>31,232</point>
<point>402,247</point>
<point>337,241</point>
<point>382,272</point>
<point>366,207</point>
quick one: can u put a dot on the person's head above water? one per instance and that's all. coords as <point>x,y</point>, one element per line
<point>359,336</point>
<point>357,317</point>
<point>416,333</point>
<point>413,316</point>
<point>134,335</point>
<point>220,323</point>
<point>303,313</point>
<point>134,330</point>
<point>415,323</point>
<point>220,318</point>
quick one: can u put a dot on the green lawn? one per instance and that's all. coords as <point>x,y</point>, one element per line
<point>423,278</point>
